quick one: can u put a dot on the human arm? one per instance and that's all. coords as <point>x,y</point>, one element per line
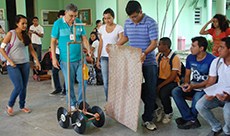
<point>170,79</point>
<point>223,97</point>
<point>203,30</point>
<point>122,40</point>
<point>33,53</point>
<point>99,52</point>
<point>53,52</point>
<point>3,46</point>
<point>86,44</point>
<point>151,47</point>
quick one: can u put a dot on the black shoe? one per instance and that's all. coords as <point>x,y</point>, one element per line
<point>180,121</point>
<point>55,92</point>
<point>224,134</point>
<point>190,124</point>
<point>63,92</point>
<point>213,133</point>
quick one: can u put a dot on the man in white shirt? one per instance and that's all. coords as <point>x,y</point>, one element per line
<point>36,32</point>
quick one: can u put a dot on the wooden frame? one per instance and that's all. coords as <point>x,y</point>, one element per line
<point>49,17</point>
<point>1,14</point>
<point>85,16</point>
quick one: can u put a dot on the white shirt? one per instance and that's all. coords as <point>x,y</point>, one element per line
<point>222,70</point>
<point>35,38</point>
<point>95,45</point>
<point>109,38</point>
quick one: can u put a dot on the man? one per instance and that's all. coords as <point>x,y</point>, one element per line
<point>219,69</point>
<point>197,67</point>
<point>55,71</point>
<point>62,32</point>
<point>167,76</point>
<point>142,32</point>
<point>36,32</point>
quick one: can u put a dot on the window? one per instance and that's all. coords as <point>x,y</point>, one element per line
<point>197,16</point>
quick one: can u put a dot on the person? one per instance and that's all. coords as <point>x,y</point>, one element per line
<point>142,32</point>
<point>55,71</point>
<point>218,74</point>
<point>37,32</point>
<point>197,68</point>
<point>168,76</point>
<point>98,25</point>
<point>18,65</point>
<point>94,42</point>
<point>2,34</point>
<point>62,32</point>
<point>109,34</point>
<point>220,29</point>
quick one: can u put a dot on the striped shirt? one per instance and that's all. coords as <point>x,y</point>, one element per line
<point>141,34</point>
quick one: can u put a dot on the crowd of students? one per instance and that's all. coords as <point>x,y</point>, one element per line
<point>161,72</point>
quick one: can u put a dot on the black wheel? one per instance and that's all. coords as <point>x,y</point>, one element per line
<point>87,107</point>
<point>78,122</point>
<point>63,117</point>
<point>98,122</point>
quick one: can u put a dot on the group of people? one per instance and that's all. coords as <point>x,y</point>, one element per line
<point>161,73</point>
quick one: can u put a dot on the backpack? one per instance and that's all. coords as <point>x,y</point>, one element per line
<point>183,69</point>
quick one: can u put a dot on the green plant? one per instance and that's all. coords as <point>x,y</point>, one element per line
<point>210,45</point>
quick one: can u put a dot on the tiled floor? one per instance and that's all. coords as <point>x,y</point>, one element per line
<point>43,121</point>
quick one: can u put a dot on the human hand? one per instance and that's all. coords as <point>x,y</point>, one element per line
<point>143,57</point>
<point>38,65</point>
<point>223,97</point>
<point>55,63</point>
<point>98,64</point>
<point>12,63</point>
<point>186,87</point>
<point>209,97</point>
<point>107,48</point>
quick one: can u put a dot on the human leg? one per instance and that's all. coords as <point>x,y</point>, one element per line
<point>195,98</point>
<point>204,108</point>
<point>104,70</point>
<point>226,111</point>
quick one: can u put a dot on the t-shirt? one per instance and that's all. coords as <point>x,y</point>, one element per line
<point>95,45</point>
<point>199,69</point>
<point>35,38</point>
<point>109,38</point>
<point>141,34</point>
<point>165,68</point>
<point>217,39</point>
<point>62,31</point>
<point>220,69</point>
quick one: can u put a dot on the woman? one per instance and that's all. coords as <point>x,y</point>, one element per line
<point>18,65</point>
<point>109,34</point>
<point>220,29</point>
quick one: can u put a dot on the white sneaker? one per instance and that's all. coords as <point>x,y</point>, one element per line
<point>149,125</point>
<point>73,108</point>
<point>167,118</point>
<point>158,114</point>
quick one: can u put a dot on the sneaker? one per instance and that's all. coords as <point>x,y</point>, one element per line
<point>63,92</point>
<point>26,110</point>
<point>180,121</point>
<point>158,114</point>
<point>149,125</point>
<point>213,133</point>
<point>167,118</point>
<point>9,110</point>
<point>190,124</point>
<point>55,92</point>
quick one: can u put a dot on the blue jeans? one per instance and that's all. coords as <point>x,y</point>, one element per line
<point>19,76</point>
<point>75,71</point>
<point>55,73</point>
<point>205,106</point>
<point>148,93</point>
<point>186,112</point>
<point>38,49</point>
<point>105,74</point>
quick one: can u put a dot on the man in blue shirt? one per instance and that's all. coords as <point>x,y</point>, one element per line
<point>197,68</point>
<point>62,32</point>
<point>142,32</point>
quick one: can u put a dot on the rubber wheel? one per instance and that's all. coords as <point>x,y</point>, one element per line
<point>101,120</point>
<point>78,122</point>
<point>63,117</point>
<point>88,108</point>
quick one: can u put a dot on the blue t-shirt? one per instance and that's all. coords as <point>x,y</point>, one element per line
<point>199,69</point>
<point>141,34</point>
<point>62,31</point>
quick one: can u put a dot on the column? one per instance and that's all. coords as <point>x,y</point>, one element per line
<point>21,7</point>
<point>175,31</point>
<point>209,9</point>
<point>221,7</point>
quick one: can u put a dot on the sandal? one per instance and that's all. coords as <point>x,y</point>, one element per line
<point>26,110</point>
<point>9,111</point>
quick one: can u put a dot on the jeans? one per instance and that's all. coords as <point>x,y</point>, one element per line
<point>55,73</point>
<point>148,93</point>
<point>38,49</point>
<point>186,112</point>
<point>105,74</point>
<point>75,71</point>
<point>164,93</point>
<point>205,106</point>
<point>19,76</point>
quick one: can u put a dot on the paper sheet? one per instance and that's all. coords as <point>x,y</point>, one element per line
<point>217,89</point>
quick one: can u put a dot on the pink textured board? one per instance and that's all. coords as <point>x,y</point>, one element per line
<point>125,78</point>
